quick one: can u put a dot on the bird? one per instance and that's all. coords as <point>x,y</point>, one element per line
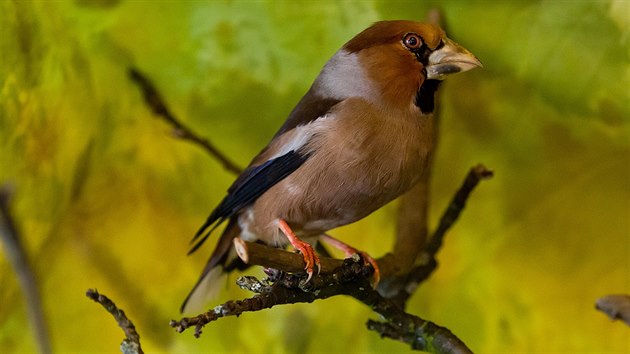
<point>361,136</point>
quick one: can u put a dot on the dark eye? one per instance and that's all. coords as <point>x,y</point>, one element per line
<point>412,41</point>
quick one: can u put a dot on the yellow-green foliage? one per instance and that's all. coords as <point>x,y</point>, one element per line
<point>106,198</point>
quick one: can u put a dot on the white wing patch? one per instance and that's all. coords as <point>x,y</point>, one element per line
<point>301,134</point>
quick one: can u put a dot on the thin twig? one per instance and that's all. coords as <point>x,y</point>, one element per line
<point>131,343</point>
<point>154,100</point>
<point>11,238</point>
<point>420,334</point>
<point>447,343</point>
<point>475,175</point>
<point>617,307</point>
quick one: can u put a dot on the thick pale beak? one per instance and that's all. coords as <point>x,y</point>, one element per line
<point>450,59</point>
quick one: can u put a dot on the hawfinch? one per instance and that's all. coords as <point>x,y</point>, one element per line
<point>360,137</point>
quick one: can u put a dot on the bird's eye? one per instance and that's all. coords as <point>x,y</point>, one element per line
<point>412,41</point>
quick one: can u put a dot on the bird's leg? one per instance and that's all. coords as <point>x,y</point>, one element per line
<point>310,258</point>
<point>349,251</point>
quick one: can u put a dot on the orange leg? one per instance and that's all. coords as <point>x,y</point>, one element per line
<point>310,258</point>
<point>349,251</point>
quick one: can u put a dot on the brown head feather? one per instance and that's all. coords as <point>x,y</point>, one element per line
<point>387,32</point>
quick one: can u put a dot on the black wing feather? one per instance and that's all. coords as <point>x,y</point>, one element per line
<point>255,181</point>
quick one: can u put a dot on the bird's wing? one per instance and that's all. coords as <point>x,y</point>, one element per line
<point>310,108</point>
<point>256,180</point>
<point>260,176</point>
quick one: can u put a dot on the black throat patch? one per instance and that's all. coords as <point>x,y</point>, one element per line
<point>425,97</point>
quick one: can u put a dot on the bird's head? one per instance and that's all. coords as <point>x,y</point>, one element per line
<point>391,60</point>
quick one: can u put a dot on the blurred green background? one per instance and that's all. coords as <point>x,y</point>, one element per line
<point>106,198</point>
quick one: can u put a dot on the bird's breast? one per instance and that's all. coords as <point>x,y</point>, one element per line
<point>362,159</point>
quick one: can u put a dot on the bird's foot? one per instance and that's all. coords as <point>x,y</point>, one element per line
<point>349,251</point>
<point>310,257</point>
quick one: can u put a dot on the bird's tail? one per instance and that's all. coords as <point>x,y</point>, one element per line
<point>222,261</point>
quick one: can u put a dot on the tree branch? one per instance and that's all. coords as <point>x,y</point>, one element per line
<point>475,175</point>
<point>15,253</point>
<point>617,307</point>
<point>349,279</point>
<point>154,100</point>
<point>131,343</point>
<point>270,257</point>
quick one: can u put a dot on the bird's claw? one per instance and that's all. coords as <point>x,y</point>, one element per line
<point>367,259</point>
<point>310,258</point>
<point>349,251</point>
